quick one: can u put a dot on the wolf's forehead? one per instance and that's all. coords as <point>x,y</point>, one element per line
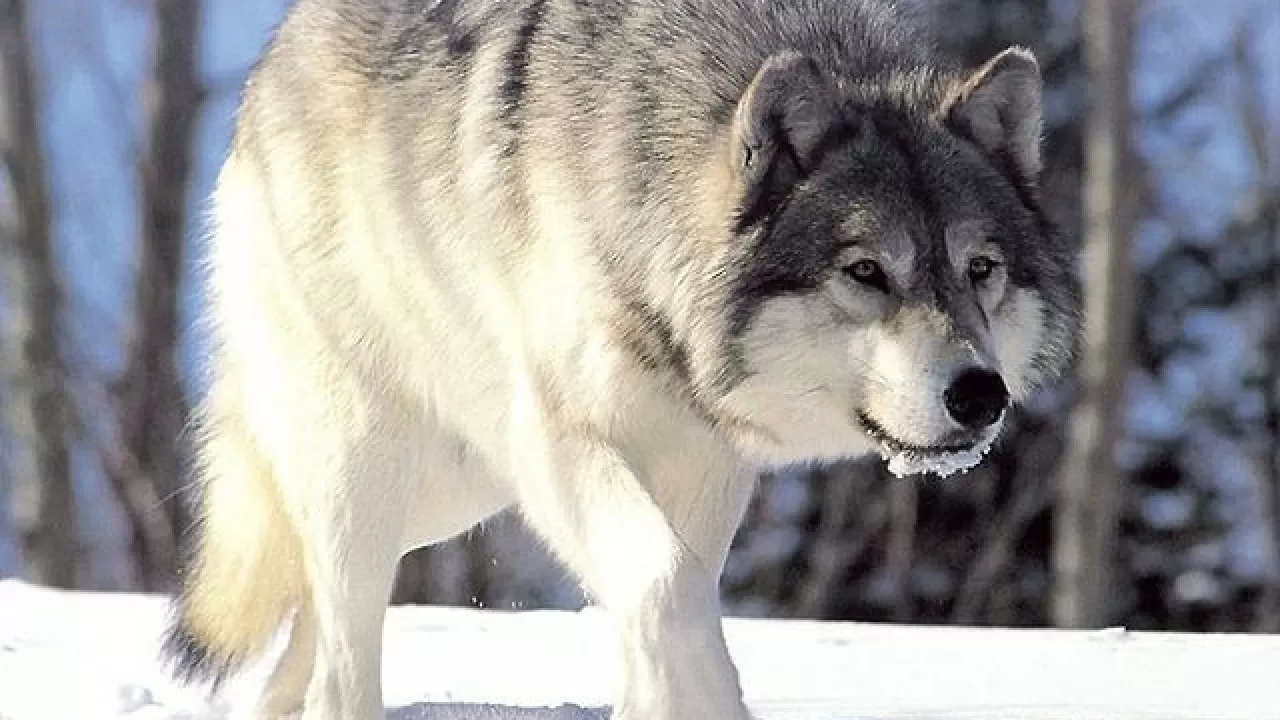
<point>878,232</point>
<point>912,243</point>
<point>927,188</point>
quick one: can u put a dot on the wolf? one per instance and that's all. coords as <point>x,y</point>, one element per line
<point>602,262</point>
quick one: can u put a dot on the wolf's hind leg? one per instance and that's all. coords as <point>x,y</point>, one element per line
<point>345,464</point>
<point>286,688</point>
<point>352,541</point>
<point>453,492</point>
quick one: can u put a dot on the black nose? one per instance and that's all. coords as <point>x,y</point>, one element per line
<point>976,398</point>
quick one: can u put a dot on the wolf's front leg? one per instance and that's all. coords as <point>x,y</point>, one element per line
<point>675,662</point>
<point>658,590</point>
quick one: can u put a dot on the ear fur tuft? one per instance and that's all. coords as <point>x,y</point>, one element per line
<point>999,107</point>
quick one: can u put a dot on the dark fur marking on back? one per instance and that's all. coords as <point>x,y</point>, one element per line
<point>511,94</point>
<point>589,21</point>
<point>393,40</point>
<point>459,40</point>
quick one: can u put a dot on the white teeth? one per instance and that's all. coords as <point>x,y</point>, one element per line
<point>940,464</point>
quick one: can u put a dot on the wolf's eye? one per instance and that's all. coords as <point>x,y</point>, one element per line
<point>868,272</point>
<point>980,268</point>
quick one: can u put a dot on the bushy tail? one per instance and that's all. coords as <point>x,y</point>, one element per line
<point>242,571</point>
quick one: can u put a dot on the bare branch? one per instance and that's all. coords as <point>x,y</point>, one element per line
<point>828,557</point>
<point>1034,495</point>
<point>1253,114</point>
<point>902,533</point>
<point>35,414</point>
<point>151,410</point>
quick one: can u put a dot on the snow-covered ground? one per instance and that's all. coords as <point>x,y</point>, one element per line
<point>86,656</point>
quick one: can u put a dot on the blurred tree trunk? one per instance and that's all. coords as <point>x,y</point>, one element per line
<point>1272,622</point>
<point>151,405</point>
<point>1089,485</point>
<point>846,491</point>
<point>1262,134</point>
<point>36,409</point>
<point>1269,617</point>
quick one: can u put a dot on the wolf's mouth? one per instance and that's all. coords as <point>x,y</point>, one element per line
<point>893,444</point>
<point>910,459</point>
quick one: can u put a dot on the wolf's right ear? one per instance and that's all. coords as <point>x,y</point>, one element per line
<point>781,122</point>
<point>999,107</point>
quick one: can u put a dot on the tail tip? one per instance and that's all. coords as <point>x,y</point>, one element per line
<point>190,659</point>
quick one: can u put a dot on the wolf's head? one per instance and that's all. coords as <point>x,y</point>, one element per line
<point>895,282</point>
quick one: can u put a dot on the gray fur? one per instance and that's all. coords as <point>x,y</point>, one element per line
<point>524,243</point>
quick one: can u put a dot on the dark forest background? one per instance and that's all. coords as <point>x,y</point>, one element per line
<point>1143,491</point>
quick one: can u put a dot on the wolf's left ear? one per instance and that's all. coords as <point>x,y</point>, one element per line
<point>999,108</point>
<point>781,122</point>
